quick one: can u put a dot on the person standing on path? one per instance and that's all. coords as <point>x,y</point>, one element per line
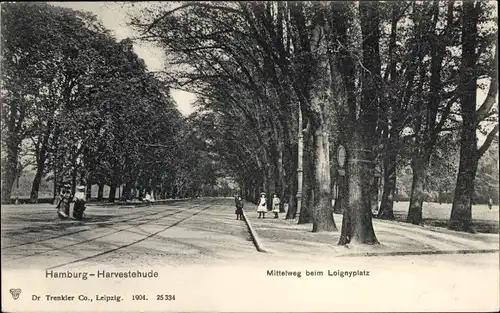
<point>79,199</point>
<point>239,208</point>
<point>490,203</point>
<point>262,209</point>
<point>64,201</point>
<point>276,205</point>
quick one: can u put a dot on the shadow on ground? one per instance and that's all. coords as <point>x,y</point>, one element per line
<point>480,225</point>
<point>57,225</point>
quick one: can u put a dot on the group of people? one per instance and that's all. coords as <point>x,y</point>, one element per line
<point>261,207</point>
<point>64,200</point>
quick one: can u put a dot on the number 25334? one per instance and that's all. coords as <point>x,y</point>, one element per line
<point>165,297</point>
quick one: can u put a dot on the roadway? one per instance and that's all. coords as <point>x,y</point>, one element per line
<point>179,233</point>
<point>202,231</point>
<point>208,247</point>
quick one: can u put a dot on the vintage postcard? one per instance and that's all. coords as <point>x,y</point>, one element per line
<point>276,156</point>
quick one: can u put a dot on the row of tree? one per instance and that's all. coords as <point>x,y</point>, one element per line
<point>79,107</point>
<point>386,80</point>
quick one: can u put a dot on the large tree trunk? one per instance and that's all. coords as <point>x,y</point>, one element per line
<point>256,193</point>
<point>427,136</point>
<point>265,185</point>
<point>13,139</point>
<point>461,212</point>
<point>386,206</point>
<point>322,211</point>
<point>112,193</point>
<point>292,189</point>
<point>40,166</point>
<point>420,165</point>
<point>308,181</point>
<point>334,175</point>
<point>336,188</point>
<point>271,185</point>
<point>36,183</point>
<point>281,176</point>
<point>386,210</point>
<point>10,170</point>
<point>357,224</point>
<point>348,102</point>
<point>374,195</point>
<point>298,185</point>
<point>100,192</point>
<point>292,207</point>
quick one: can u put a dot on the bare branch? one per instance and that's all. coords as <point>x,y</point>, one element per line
<point>191,4</point>
<point>445,113</point>
<point>487,143</point>
<point>490,100</point>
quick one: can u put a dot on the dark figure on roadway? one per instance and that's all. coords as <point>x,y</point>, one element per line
<point>239,208</point>
<point>80,200</point>
<point>64,201</point>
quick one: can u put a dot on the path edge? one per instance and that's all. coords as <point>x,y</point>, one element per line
<point>255,237</point>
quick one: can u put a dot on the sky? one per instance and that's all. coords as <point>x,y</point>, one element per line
<point>114,17</point>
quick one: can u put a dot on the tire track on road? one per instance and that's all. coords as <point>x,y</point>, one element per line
<point>111,222</point>
<point>101,236</point>
<point>129,244</point>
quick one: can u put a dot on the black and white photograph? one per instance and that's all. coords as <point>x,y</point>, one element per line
<point>251,156</point>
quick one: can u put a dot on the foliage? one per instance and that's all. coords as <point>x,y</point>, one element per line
<point>90,108</point>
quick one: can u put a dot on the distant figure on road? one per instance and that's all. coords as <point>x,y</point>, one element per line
<point>490,203</point>
<point>148,197</point>
<point>239,208</point>
<point>276,205</point>
<point>262,209</point>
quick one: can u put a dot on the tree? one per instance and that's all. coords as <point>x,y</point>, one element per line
<point>70,58</point>
<point>426,124</point>
<point>89,105</point>
<point>357,222</point>
<point>486,184</point>
<point>397,87</point>
<point>19,87</point>
<point>461,212</point>
<point>257,48</point>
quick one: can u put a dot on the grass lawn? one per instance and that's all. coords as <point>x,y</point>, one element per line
<point>435,214</point>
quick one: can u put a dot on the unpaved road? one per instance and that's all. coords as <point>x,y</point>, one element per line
<point>202,252</point>
<point>181,233</point>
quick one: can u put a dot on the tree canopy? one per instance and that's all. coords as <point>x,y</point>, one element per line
<point>281,86</point>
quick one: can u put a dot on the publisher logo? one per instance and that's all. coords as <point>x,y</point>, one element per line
<point>15,292</point>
